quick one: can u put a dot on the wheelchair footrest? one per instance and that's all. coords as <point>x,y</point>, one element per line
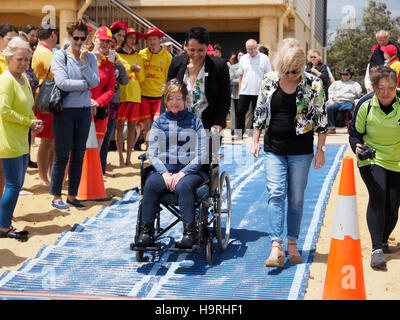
<point>157,247</point>
<point>195,249</point>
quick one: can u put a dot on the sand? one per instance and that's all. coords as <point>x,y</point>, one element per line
<point>45,226</point>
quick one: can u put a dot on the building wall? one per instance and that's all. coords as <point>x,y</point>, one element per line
<point>260,17</point>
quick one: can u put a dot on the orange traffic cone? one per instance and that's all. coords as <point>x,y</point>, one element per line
<point>92,183</point>
<point>344,276</point>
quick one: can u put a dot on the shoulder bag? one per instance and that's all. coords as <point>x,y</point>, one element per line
<point>50,97</point>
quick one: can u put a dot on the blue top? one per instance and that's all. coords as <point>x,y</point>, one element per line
<point>75,78</point>
<point>178,143</point>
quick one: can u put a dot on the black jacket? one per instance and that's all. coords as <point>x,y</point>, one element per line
<point>324,75</point>
<point>216,87</point>
<point>377,58</point>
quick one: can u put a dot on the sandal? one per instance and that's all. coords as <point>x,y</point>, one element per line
<point>276,262</point>
<point>14,234</point>
<point>294,259</point>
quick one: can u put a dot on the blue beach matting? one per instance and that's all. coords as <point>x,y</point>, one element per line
<point>95,258</point>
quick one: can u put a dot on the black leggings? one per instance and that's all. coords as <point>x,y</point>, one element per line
<point>384,201</point>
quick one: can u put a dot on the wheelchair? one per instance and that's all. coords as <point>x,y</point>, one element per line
<point>213,210</point>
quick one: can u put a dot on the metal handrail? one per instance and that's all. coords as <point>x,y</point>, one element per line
<point>103,13</point>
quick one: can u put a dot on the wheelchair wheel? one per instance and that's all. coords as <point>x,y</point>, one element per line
<point>209,252</point>
<point>224,212</point>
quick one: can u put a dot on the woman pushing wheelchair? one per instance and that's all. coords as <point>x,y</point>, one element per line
<point>177,150</point>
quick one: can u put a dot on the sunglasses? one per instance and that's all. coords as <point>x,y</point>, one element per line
<point>76,38</point>
<point>292,72</point>
<point>345,74</point>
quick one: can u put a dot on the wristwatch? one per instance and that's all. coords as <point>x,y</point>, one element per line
<point>323,148</point>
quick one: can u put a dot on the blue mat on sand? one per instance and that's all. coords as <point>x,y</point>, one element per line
<point>94,257</point>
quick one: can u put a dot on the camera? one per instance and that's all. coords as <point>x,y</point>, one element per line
<point>367,153</point>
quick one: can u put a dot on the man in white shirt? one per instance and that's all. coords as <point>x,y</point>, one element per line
<point>252,67</point>
<point>342,94</point>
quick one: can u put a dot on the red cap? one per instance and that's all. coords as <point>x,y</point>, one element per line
<point>373,48</point>
<point>210,49</point>
<point>89,27</point>
<point>155,32</point>
<point>139,35</point>
<point>103,33</point>
<point>119,25</point>
<point>390,49</point>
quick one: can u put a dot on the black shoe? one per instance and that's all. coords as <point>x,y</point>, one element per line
<point>189,237</point>
<point>32,164</point>
<point>385,248</point>
<point>138,145</point>
<point>76,203</point>
<point>378,260</point>
<point>146,235</point>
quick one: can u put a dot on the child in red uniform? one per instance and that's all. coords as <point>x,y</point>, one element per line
<point>104,92</point>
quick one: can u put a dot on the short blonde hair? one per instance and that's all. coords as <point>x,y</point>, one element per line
<point>289,57</point>
<point>14,44</point>
<point>313,51</point>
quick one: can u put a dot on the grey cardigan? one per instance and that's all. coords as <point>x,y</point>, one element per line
<point>75,78</point>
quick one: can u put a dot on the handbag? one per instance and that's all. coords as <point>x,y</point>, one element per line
<point>50,97</point>
<point>101,113</point>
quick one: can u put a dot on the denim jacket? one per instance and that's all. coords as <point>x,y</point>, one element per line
<point>310,101</point>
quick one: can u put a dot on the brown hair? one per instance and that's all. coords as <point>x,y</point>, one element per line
<point>383,72</point>
<point>79,25</point>
<point>173,86</point>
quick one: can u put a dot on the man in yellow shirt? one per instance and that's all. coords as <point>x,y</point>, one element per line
<point>41,66</point>
<point>156,64</point>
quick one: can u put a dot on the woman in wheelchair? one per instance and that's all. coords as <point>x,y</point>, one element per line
<point>177,150</point>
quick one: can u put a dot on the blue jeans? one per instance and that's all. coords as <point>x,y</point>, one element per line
<point>71,130</point>
<point>14,171</point>
<point>286,178</point>
<point>337,106</point>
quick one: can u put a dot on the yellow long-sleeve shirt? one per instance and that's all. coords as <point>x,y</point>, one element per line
<point>132,91</point>
<point>3,64</point>
<point>16,116</point>
<point>156,71</point>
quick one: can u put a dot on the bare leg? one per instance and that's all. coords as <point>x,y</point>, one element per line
<point>45,152</point>
<point>119,139</point>
<point>131,140</point>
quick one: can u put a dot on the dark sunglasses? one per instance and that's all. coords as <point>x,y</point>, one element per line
<point>76,38</point>
<point>292,72</point>
<point>345,74</point>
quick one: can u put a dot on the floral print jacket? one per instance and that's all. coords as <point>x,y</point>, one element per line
<point>310,101</point>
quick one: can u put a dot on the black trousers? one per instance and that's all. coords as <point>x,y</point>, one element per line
<point>384,201</point>
<point>242,108</point>
<point>155,187</point>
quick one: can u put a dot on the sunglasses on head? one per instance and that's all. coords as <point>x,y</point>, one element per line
<point>76,38</point>
<point>292,72</point>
